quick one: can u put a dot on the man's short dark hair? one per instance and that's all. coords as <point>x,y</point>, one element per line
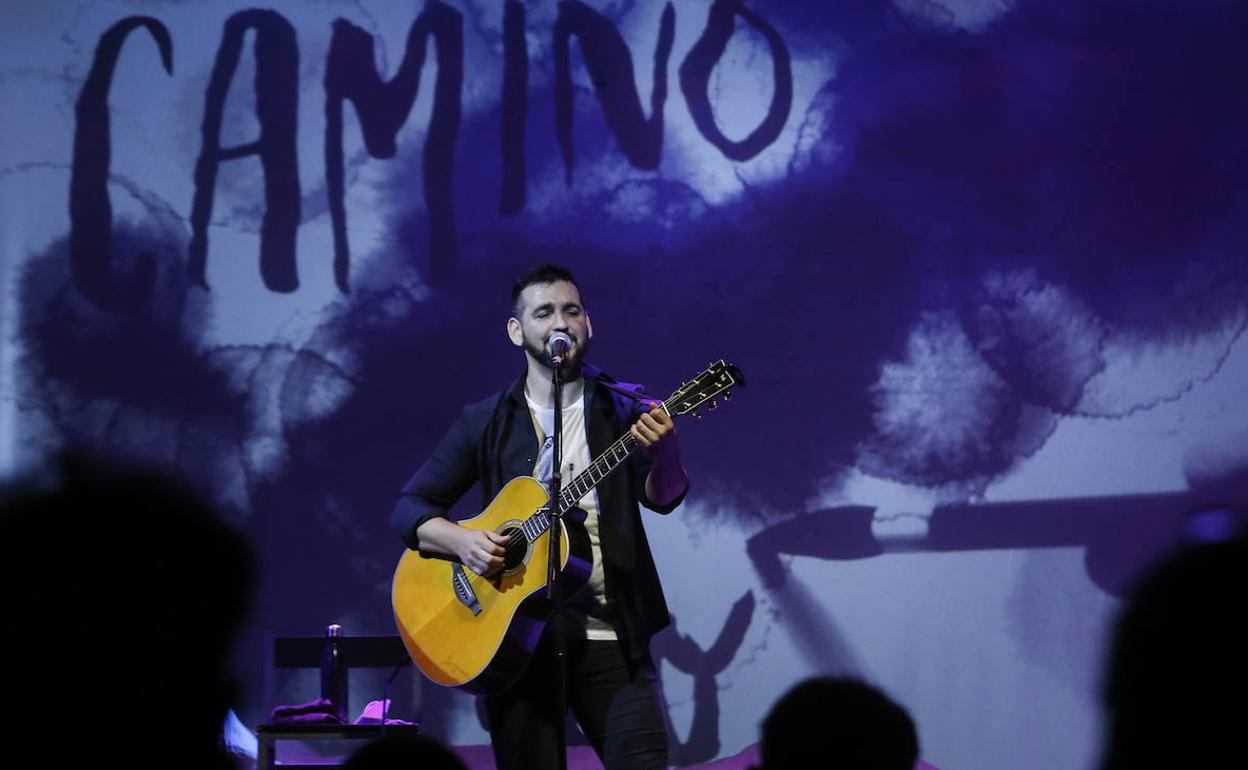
<point>543,274</point>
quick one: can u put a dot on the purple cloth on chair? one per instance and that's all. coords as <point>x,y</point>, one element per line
<point>319,711</point>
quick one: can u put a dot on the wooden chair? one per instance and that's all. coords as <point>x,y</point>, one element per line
<point>305,653</point>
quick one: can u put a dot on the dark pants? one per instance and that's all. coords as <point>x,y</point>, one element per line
<point>615,701</point>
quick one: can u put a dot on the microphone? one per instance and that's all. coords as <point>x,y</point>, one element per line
<point>559,344</point>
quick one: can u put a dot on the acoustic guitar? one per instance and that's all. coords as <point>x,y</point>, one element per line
<point>477,633</point>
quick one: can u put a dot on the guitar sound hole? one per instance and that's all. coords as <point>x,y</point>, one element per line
<point>516,549</point>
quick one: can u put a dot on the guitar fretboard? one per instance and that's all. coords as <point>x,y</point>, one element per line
<point>598,470</point>
<point>583,484</point>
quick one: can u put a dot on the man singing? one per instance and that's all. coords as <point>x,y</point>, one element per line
<point>612,686</point>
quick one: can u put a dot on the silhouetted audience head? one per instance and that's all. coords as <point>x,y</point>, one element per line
<point>1178,667</point>
<point>122,595</point>
<point>404,752</point>
<point>841,724</point>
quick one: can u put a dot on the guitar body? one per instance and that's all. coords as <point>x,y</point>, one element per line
<point>477,633</point>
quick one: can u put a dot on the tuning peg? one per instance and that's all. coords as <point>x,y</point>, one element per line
<point>727,395</point>
<point>714,405</point>
<point>696,415</point>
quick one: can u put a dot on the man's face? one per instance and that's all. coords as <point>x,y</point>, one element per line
<point>545,308</point>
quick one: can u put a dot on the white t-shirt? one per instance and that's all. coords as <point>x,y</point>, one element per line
<point>590,615</point>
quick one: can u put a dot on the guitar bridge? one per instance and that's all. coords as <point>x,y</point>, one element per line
<point>463,589</point>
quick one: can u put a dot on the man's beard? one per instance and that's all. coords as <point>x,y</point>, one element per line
<point>571,362</point>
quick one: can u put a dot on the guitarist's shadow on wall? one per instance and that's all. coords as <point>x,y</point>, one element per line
<point>683,653</point>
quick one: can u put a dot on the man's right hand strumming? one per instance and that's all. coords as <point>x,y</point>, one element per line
<point>477,549</point>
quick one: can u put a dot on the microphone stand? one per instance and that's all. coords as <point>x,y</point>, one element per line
<point>553,589</point>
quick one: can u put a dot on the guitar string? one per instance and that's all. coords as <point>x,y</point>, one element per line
<point>537,524</point>
<point>585,481</point>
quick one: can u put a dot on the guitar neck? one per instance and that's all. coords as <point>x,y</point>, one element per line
<point>584,483</point>
<point>598,470</point>
<point>716,380</point>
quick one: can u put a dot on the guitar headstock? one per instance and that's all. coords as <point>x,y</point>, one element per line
<point>716,380</point>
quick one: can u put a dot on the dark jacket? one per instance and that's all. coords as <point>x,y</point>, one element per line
<point>493,442</point>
